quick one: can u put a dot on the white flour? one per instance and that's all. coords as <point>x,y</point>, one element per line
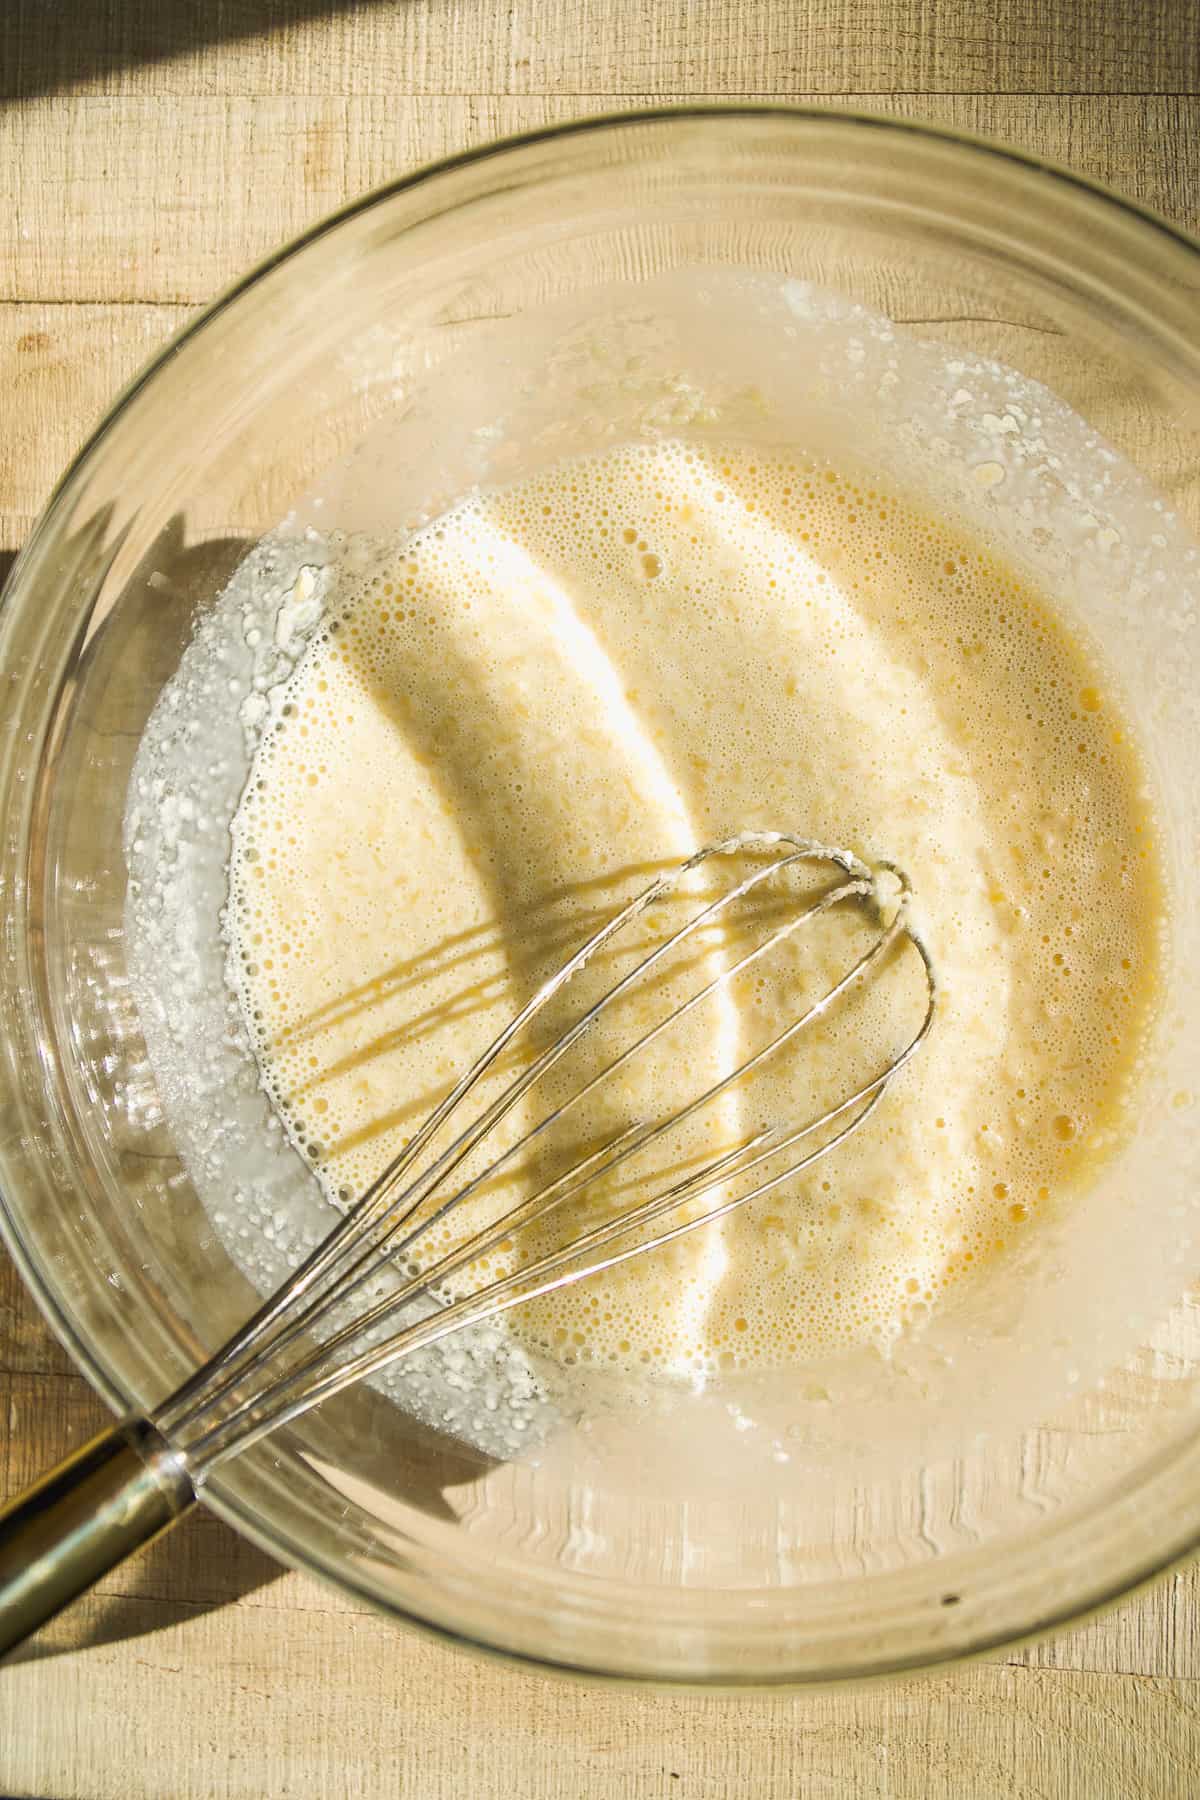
<point>265,1205</point>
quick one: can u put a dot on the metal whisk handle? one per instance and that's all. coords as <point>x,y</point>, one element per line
<point>82,1519</point>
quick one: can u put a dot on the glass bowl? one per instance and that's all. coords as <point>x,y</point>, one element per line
<point>501,309</point>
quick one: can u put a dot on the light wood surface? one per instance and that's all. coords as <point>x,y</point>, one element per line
<point>149,151</point>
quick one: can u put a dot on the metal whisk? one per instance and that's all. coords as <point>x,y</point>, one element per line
<point>348,1310</point>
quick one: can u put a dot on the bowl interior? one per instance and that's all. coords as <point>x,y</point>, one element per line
<point>1024,347</point>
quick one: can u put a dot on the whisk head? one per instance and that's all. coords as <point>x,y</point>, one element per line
<point>493,1204</point>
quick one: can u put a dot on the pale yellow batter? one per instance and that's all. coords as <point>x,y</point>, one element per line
<point>561,686</point>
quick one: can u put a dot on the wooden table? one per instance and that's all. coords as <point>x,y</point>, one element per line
<point>149,151</point>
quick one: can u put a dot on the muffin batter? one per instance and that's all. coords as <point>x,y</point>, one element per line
<point>560,686</point>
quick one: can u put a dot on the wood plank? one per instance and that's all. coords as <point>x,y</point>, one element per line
<point>60,369</point>
<point>192,1709</point>
<point>108,207</point>
<point>1151,1633</point>
<point>611,47</point>
<point>27,1346</point>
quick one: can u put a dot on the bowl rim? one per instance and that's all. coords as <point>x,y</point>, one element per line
<point>1027,166</point>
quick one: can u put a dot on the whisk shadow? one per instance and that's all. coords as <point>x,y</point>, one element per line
<point>465,948</point>
<point>197,1568</point>
<point>548,938</point>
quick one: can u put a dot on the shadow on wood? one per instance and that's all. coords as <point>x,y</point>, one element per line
<point>44,48</point>
<point>195,1568</point>
<point>200,1565</point>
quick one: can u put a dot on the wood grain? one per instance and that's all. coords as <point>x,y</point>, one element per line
<point>61,366</point>
<point>272,167</point>
<point>193,1709</point>
<point>150,152</point>
<point>394,48</point>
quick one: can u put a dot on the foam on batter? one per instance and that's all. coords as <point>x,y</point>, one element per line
<point>561,686</point>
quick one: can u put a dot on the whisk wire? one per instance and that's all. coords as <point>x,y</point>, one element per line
<point>326,1370</point>
<point>378,1216</point>
<point>233,1436</point>
<point>266,1376</point>
<point>634,1138</point>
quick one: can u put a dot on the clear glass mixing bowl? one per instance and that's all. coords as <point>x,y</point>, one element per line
<point>394,344</point>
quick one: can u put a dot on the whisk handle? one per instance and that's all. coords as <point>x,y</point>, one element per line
<point>82,1519</point>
